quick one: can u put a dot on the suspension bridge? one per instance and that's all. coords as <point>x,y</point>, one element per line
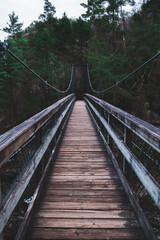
<point>81,157</point>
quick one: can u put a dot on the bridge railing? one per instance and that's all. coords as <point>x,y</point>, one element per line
<point>132,143</point>
<point>24,148</point>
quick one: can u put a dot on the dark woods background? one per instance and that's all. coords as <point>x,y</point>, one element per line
<point>105,37</point>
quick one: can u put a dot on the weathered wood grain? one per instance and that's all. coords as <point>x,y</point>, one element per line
<point>17,136</point>
<point>144,130</point>
<point>85,203</point>
<point>148,181</point>
<point>84,223</point>
<point>11,200</point>
<point>82,196</point>
<point>81,214</point>
<point>90,199</point>
<point>76,234</point>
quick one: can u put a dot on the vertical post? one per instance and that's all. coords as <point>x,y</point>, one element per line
<point>128,141</point>
<point>87,79</point>
<point>129,145</point>
<point>55,120</point>
<point>72,77</point>
<point>1,234</point>
<point>124,139</point>
<point>109,139</point>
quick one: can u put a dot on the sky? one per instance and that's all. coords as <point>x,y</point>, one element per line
<point>29,11</point>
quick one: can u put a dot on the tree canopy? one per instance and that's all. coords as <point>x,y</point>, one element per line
<point>105,37</point>
<point>13,26</point>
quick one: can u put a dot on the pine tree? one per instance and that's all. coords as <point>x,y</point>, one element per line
<point>49,11</point>
<point>82,32</point>
<point>63,36</point>
<point>13,26</point>
<point>94,9</point>
<point>114,11</point>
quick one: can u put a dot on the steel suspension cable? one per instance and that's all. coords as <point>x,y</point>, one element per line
<point>125,78</point>
<point>3,48</point>
<point>48,84</point>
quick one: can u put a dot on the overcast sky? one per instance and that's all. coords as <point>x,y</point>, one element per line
<point>29,10</point>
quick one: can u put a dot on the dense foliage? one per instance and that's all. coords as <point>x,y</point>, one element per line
<point>110,41</point>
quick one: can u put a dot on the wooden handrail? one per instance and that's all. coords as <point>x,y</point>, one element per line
<point>144,130</point>
<point>32,125</point>
<point>128,120</point>
<point>12,140</point>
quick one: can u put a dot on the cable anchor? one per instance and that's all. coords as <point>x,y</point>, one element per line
<point>3,49</point>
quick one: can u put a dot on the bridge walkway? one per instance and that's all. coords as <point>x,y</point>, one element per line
<point>82,197</point>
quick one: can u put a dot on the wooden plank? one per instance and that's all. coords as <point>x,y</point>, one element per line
<point>82,177</point>
<point>90,199</point>
<point>80,164</point>
<point>87,192</point>
<point>83,184</point>
<point>81,170</point>
<point>108,214</point>
<point>84,223</point>
<point>84,204</point>
<point>82,143</point>
<point>81,155</point>
<point>87,234</point>
<point>96,159</point>
<point>81,148</point>
<point>97,168</point>
<point>82,173</point>
<point>89,182</point>
<point>53,185</point>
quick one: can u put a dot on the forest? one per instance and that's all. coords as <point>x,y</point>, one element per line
<point>112,43</point>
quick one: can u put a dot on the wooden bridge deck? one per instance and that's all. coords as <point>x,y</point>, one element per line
<point>82,196</point>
